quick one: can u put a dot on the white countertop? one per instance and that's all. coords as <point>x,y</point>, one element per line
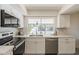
<point>46,36</point>
<point>21,36</point>
<point>5,49</point>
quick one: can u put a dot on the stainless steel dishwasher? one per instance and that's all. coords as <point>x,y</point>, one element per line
<point>51,46</point>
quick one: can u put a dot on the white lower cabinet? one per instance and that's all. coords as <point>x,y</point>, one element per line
<point>66,45</point>
<point>10,52</point>
<point>35,46</point>
<point>6,50</point>
<point>62,45</point>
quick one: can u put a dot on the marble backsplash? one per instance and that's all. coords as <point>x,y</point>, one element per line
<point>63,31</point>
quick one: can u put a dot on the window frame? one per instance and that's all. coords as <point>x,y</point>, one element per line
<point>54,26</point>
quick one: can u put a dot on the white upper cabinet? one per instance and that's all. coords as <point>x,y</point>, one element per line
<point>63,21</point>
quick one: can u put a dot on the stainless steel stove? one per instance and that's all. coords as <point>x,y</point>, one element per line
<point>6,38</point>
<point>5,34</point>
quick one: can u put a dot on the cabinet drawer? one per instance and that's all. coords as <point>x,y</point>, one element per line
<point>66,41</point>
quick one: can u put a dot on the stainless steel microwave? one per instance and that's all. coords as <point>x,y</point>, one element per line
<point>7,20</point>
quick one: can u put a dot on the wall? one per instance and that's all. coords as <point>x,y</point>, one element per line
<point>20,12</point>
<point>74,28</point>
<point>42,13</point>
<point>8,29</point>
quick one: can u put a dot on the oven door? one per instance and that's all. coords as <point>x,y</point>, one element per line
<point>19,49</point>
<point>5,40</point>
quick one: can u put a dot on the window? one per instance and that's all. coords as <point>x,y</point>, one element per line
<point>41,25</point>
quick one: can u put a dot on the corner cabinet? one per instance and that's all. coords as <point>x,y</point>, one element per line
<point>66,45</point>
<point>63,21</point>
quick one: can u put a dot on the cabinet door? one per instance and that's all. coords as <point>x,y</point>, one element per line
<point>63,21</point>
<point>9,52</point>
<point>30,46</point>
<point>40,46</point>
<point>66,46</point>
<point>51,46</point>
<point>35,46</point>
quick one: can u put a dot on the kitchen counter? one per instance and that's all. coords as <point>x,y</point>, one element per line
<point>20,36</point>
<point>6,50</point>
<point>45,36</point>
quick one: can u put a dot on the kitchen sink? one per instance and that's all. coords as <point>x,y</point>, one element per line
<point>36,35</point>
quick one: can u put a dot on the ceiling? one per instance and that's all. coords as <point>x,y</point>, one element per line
<point>44,6</point>
<point>73,9</point>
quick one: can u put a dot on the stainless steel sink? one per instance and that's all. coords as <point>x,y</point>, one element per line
<point>36,35</point>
